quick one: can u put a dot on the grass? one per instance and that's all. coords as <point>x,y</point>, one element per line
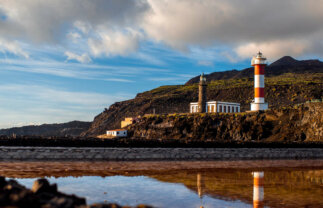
<point>285,79</point>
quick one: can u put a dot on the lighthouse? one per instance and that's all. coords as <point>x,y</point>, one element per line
<point>259,62</point>
<point>202,94</point>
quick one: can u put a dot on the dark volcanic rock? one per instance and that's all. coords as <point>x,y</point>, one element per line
<point>302,123</point>
<point>285,61</point>
<point>42,185</point>
<point>42,194</point>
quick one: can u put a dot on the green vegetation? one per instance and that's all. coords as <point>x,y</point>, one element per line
<point>285,79</point>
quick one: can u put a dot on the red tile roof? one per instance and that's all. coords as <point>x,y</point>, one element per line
<point>118,130</point>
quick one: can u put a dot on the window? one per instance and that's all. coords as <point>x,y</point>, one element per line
<point>225,109</point>
<point>212,108</point>
<point>220,108</point>
<point>232,109</point>
<point>229,109</point>
<point>208,108</point>
<point>237,109</point>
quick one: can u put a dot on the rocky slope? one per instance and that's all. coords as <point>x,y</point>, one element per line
<point>290,82</point>
<point>301,123</point>
<point>73,128</point>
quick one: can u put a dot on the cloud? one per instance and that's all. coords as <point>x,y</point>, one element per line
<point>39,103</point>
<point>118,80</point>
<point>84,58</point>
<point>74,36</point>
<point>273,49</point>
<point>111,43</point>
<point>47,21</point>
<point>148,58</point>
<point>77,70</point>
<point>52,95</point>
<point>205,63</point>
<point>177,23</point>
<point>12,47</point>
<point>173,78</point>
<point>113,28</point>
<point>83,27</point>
<point>210,23</point>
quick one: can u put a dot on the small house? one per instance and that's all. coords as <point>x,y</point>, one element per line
<point>117,133</point>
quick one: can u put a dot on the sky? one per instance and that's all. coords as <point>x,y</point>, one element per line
<point>67,60</point>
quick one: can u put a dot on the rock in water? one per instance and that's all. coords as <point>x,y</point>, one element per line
<point>42,185</point>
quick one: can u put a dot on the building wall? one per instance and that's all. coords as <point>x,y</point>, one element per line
<point>126,122</point>
<point>194,108</point>
<point>227,108</point>
<point>216,106</point>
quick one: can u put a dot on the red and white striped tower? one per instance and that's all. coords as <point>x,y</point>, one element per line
<point>259,62</point>
<point>258,189</point>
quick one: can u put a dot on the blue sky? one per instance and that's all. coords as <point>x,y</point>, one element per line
<point>68,60</point>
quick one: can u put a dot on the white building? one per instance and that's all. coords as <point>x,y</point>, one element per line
<point>217,107</point>
<point>117,133</point>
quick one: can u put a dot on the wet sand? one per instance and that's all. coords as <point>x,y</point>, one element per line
<point>110,168</point>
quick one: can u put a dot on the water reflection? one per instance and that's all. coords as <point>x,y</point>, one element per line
<point>181,184</point>
<point>258,189</point>
<point>200,186</point>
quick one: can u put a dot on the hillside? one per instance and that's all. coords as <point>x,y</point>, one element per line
<point>289,82</point>
<point>303,123</point>
<point>73,128</point>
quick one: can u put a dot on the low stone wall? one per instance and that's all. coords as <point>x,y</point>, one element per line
<point>127,154</point>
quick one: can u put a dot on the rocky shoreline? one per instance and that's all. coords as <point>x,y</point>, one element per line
<point>154,154</point>
<point>43,195</point>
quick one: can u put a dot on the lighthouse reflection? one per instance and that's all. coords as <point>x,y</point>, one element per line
<point>258,189</point>
<point>200,187</point>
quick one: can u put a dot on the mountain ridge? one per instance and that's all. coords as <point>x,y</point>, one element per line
<point>72,128</point>
<point>278,67</point>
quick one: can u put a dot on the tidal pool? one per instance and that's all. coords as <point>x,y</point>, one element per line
<point>289,183</point>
